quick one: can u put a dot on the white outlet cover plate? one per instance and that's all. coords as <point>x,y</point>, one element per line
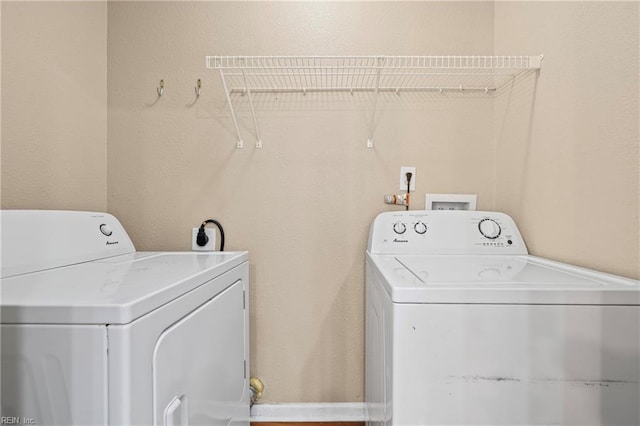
<point>403,178</point>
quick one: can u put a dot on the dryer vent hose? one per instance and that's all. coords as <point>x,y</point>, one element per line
<point>256,386</point>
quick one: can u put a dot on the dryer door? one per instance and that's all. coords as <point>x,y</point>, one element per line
<point>199,375</point>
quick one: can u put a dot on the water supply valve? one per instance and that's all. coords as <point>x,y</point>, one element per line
<point>398,199</point>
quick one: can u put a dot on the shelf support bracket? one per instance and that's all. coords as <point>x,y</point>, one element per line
<point>381,61</point>
<point>240,143</point>
<point>253,111</point>
<point>535,62</point>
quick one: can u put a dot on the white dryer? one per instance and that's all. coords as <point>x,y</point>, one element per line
<point>95,333</point>
<point>464,327</point>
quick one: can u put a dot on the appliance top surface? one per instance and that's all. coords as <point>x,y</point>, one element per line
<point>520,279</point>
<point>487,279</point>
<point>457,259</point>
<point>113,290</point>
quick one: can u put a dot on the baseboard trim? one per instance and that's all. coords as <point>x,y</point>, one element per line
<point>309,412</point>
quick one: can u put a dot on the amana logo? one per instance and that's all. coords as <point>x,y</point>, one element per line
<point>109,243</point>
<point>395,240</point>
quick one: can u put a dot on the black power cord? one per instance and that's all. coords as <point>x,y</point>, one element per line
<point>202,239</point>
<point>409,175</point>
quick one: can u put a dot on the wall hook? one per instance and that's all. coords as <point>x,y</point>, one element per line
<point>161,88</point>
<point>198,87</point>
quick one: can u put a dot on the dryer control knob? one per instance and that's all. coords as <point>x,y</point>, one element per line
<point>420,228</point>
<point>489,228</point>
<point>399,228</point>
<point>106,229</point>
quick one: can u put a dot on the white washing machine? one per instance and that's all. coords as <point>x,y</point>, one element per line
<point>95,333</point>
<point>463,327</point>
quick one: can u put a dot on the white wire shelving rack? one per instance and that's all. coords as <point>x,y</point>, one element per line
<point>373,74</point>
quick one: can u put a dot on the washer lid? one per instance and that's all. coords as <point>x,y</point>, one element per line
<point>115,290</point>
<point>500,279</point>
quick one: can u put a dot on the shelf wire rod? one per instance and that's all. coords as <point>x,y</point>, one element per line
<point>382,89</point>
<point>296,78</point>
<point>323,76</point>
<point>356,78</point>
<point>313,75</point>
<point>285,77</point>
<point>363,66</point>
<point>350,82</point>
<point>341,77</point>
<point>292,75</point>
<point>261,76</point>
<point>397,82</point>
<point>400,81</point>
<point>370,76</point>
<point>239,143</point>
<point>253,111</point>
<point>266,77</point>
<point>412,80</point>
<point>313,72</point>
<point>353,78</point>
<point>276,75</point>
<point>305,75</point>
<point>337,77</point>
<point>256,75</point>
<point>375,103</point>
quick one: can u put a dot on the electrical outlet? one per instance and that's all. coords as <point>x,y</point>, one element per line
<point>403,177</point>
<point>211,244</point>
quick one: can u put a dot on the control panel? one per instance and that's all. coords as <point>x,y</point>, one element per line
<point>35,240</point>
<point>445,232</point>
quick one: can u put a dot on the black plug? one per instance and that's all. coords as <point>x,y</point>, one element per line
<point>202,239</point>
<point>409,176</point>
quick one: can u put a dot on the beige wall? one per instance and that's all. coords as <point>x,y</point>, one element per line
<point>567,150</point>
<point>54,105</point>
<point>302,205</point>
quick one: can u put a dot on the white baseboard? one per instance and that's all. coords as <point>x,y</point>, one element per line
<point>309,412</point>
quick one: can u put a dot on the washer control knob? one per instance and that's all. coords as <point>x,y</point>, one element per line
<point>489,228</point>
<point>399,228</point>
<point>106,229</point>
<point>420,228</point>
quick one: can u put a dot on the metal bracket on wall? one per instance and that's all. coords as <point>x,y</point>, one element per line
<point>247,91</point>
<point>249,75</point>
<point>381,61</point>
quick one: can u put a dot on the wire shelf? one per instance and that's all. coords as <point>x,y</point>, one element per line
<point>303,74</point>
